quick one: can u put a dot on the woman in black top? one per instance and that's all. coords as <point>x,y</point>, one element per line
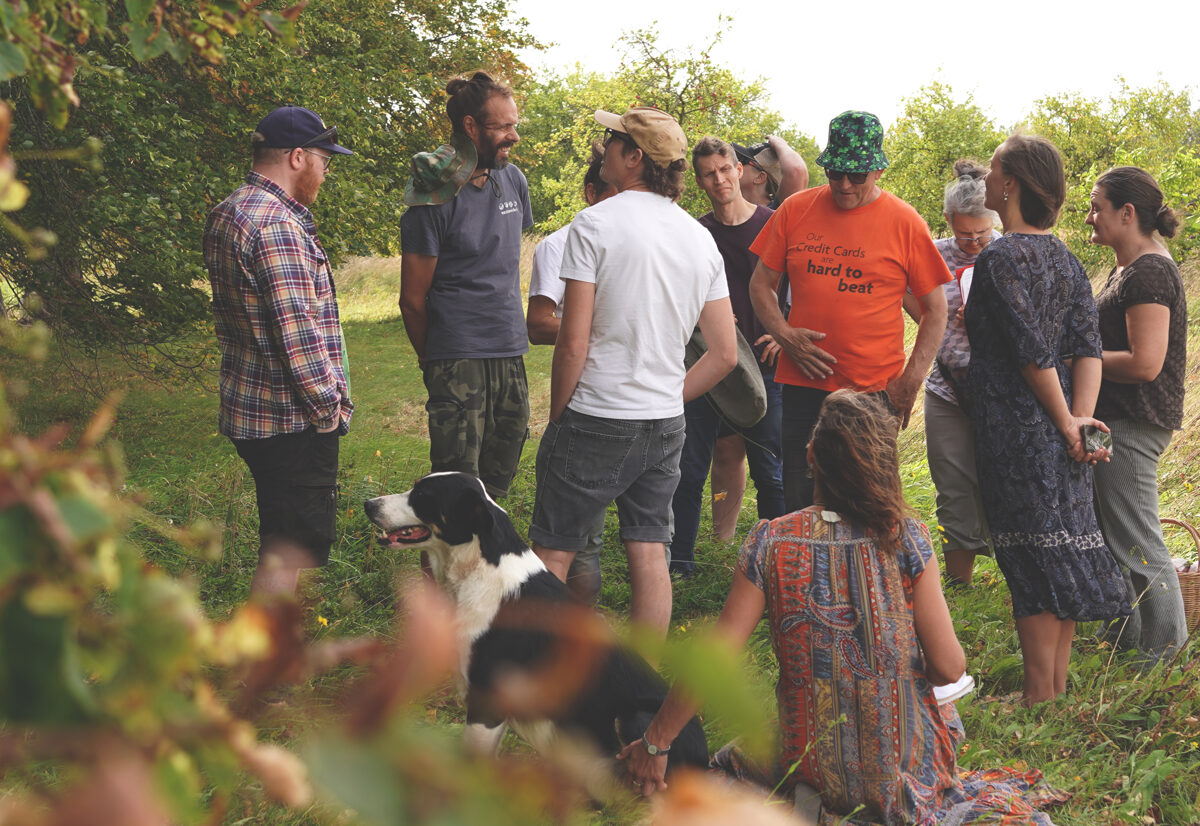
<point>1143,327</point>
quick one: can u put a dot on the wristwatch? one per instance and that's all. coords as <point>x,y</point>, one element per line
<point>652,749</point>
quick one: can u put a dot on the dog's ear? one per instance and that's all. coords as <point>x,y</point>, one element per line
<point>495,530</point>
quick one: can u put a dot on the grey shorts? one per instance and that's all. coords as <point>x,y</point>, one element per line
<point>586,462</point>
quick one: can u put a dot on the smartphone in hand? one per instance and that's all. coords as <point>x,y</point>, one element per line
<point>1094,438</point>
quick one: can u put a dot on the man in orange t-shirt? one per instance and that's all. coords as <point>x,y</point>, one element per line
<point>850,251</point>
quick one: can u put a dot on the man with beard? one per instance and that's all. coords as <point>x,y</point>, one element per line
<point>460,285</point>
<point>284,395</point>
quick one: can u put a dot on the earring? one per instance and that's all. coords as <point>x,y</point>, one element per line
<point>1006,194</point>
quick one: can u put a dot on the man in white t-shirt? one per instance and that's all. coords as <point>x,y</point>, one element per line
<point>542,320</point>
<point>640,274</point>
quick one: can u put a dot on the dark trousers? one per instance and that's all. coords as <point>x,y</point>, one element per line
<point>764,455</point>
<point>801,405</point>
<point>295,484</point>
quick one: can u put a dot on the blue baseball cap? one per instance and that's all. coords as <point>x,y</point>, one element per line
<point>289,127</point>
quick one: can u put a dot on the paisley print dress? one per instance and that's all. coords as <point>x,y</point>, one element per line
<point>1031,303</point>
<point>858,719</point>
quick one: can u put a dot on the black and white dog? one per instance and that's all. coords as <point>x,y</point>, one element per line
<point>513,618</point>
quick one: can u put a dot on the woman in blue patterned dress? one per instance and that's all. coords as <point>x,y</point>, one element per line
<point>1032,382</point>
<point>862,633</point>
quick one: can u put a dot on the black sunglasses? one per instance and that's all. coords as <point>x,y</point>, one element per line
<point>328,136</point>
<point>609,134</point>
<point>856,178</point>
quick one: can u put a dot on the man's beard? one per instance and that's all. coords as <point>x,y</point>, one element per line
<point>489,155</point>
<point>306,187</point>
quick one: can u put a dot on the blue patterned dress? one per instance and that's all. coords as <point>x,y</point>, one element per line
<point>1031,303</point>
<point>857,717</point>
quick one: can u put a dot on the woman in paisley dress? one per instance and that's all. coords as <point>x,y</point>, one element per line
<point>862,634</point>
<point>1032,381</point>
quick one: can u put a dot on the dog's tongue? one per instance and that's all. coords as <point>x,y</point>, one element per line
<point>413,533</point>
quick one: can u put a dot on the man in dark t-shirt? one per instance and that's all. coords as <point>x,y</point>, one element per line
<point>460,286</point>
<point>734,224</point>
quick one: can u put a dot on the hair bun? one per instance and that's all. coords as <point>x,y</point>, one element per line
<point>966,168</point>
<point>455,85</point>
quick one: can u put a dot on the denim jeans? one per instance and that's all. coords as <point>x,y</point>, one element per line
<point>764,455</point>
<point>585,462</point>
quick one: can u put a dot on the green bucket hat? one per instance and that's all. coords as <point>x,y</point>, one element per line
<point>437,176</point>
<point>855,144</point>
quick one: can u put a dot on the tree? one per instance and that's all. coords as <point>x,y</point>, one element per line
<point>126,272</point>
<point>558,126</point>
<point>934,131</point>
<point>1155,128</point>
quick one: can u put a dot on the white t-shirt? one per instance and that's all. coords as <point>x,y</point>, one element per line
<point>547,263</point>
<point>654,267</point>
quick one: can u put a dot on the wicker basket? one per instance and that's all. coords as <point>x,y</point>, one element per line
<point>1189,583</point>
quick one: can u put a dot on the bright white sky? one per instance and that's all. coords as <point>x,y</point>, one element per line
<point>821,58</point>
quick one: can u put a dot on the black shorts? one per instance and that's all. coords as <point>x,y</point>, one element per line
<point>295,482</point>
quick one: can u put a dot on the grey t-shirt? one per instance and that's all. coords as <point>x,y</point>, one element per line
<point>474,305</point>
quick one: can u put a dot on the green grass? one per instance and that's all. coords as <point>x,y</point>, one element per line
<point>1126,744</point>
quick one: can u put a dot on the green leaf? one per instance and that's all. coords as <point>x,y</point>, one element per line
<point>146,41</point>
<point>40,680</point>
<point>16,540</point>
<point>139,10</point>
<point>12,61</point>
<point>83,518</point>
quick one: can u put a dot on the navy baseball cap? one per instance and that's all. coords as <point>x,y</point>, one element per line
<point>289,127</point>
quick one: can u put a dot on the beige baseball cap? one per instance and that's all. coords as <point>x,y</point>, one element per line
<point>654,131</point>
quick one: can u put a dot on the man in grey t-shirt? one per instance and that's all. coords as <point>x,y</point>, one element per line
<point>460,286</point>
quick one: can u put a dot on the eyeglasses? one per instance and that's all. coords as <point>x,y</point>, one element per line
<point>325,159</point>
<point>609,134</point>
<point>501,127</point>
<point>980,241</point>
<point>856,178</point>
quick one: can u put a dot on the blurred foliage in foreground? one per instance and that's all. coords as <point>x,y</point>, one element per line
<point>122,702</point>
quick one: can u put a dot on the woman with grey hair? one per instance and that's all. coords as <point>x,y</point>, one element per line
<point>948,435</point>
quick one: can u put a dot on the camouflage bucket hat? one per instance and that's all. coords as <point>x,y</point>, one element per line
<point>437,176</point>
<point>855,144</point>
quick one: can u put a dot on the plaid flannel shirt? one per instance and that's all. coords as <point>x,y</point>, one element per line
<point>282,355</point>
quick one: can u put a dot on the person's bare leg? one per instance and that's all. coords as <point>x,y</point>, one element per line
<point>278,569</point>
<point>960,565</point>
<point>650,581</point>
<point>1040,637</point>
<point>559,562</point>
<point>1062,658</point>
<point>728,478</point>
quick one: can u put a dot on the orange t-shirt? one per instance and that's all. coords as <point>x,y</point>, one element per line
<point>849,270</point>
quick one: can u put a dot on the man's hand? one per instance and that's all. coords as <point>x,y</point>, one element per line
<point>647,774</point>
<point>811,360</point>
<point>337,420</point>
<point>770,353</point>
<point>902,393</point>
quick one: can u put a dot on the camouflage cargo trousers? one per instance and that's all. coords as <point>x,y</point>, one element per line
<point>478,417</point>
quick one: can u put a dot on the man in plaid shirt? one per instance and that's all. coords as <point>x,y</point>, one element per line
<point>285,399</point>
